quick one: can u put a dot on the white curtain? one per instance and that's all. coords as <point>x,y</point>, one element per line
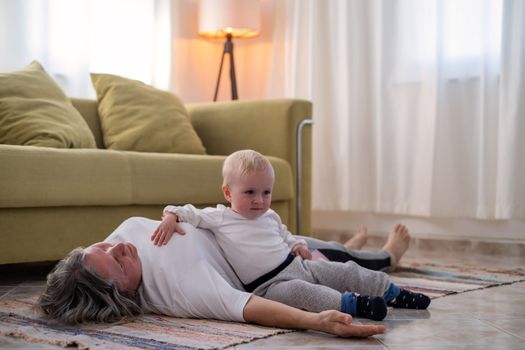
<point>418,105</point>
<point>71,39</point>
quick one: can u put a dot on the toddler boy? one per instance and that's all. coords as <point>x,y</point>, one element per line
<point>273,264</point>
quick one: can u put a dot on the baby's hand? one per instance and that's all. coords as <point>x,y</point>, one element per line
<point>303,252</point>
<point>166,229</point>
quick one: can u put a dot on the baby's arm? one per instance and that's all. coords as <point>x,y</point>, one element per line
<point>299,247</point>
<point>168,226</point>
<point>201,218</point>
<point>206,218</point>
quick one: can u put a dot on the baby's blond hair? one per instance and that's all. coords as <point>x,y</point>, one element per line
<point>243,162</point>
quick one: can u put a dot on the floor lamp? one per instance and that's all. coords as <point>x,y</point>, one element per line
<point>228,19</point>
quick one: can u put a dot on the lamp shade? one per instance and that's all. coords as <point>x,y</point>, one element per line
<point>240,18</point>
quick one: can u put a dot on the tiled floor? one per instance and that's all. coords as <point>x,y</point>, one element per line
<point>492,318</point>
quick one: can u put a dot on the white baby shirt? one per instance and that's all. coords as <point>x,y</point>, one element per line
<point>253,247</point>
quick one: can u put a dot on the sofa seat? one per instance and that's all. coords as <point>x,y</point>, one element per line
<point>49,177</point>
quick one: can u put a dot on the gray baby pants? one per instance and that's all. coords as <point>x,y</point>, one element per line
<point>318,285</point>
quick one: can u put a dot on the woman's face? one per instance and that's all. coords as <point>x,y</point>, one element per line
<point>118,263</point>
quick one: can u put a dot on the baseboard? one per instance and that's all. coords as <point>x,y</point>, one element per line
<point>444,243</point>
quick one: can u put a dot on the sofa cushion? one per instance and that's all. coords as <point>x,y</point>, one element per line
<point>34,111</point>
<point>47,177</point>
<point>138,117</point>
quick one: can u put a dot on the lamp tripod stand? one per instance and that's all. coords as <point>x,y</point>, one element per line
<point>228,49</point>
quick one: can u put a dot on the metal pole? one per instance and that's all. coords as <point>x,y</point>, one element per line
<point>228,49</point>
<point>299,172</point>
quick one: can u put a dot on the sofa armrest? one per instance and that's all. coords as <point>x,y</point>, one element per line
<point>267,126</point>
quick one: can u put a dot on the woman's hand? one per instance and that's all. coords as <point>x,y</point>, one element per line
<point>338,323</point>
<point>166,229</point>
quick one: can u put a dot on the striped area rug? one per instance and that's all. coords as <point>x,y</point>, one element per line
<point>146,332</point>
<point>440,280</point>
<point>161,332</point>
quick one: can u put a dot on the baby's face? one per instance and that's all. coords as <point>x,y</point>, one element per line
<point>251,194</point>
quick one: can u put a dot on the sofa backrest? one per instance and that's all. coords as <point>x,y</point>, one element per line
<point>88,110</point>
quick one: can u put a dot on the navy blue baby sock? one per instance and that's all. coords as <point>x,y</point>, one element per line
<point>404,299</point>
<point>373,308</point>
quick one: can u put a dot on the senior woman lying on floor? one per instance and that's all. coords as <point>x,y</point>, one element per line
<point>127,275</point>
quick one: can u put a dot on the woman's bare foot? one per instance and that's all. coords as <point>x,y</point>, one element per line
<point>397,244</point>
<point>359,239</point>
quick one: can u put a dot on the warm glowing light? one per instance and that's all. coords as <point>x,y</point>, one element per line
<point>218,18</point>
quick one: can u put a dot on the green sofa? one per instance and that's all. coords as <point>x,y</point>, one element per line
<point>53,200</point>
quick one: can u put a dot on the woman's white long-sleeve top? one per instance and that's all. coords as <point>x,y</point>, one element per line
<point>188,277</point>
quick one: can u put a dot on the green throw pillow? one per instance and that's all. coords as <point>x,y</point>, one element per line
<point>138,117</point>
<point>35,112</point>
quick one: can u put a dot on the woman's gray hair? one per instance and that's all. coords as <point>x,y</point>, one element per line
<point>76,294</point>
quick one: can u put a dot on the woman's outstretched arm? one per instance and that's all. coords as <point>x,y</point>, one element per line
<point>270,313</point>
